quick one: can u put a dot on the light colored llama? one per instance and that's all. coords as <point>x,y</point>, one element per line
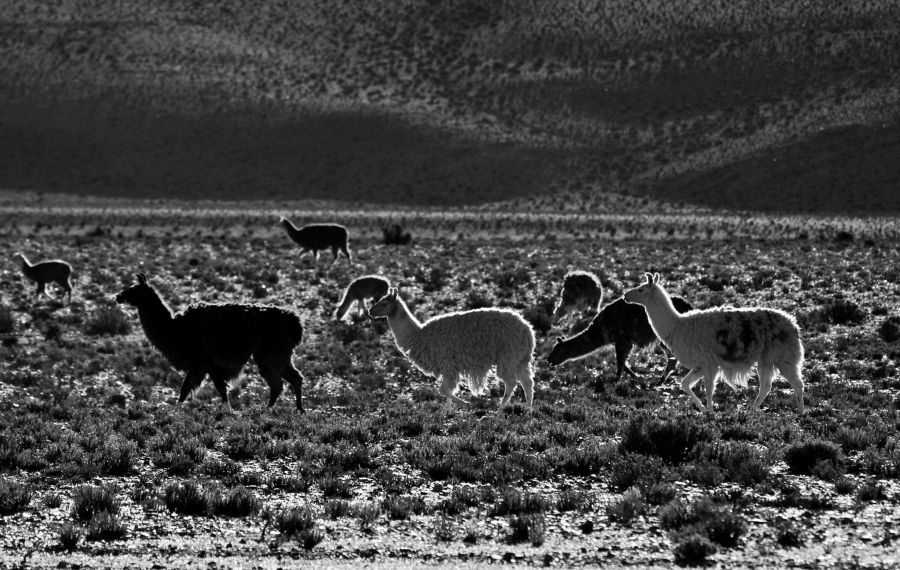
<point>725,342</point>
<point>464,346</point>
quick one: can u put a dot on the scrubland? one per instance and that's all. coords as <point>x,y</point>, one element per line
<point>99,464</point>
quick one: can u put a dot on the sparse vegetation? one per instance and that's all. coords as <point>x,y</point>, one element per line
<point>371,459</point>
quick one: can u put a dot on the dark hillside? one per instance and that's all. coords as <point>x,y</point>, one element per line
<point>455,102</point>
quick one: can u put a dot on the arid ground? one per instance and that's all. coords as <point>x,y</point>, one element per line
<point>746,151</point>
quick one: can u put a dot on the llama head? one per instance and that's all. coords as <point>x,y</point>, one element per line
<point>558,353</point>
<point>138,293</point>
<point>645,291</point>
<point>386,306</point>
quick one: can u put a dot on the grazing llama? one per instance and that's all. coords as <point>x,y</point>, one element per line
<point>50,271</point>
<point>624,325</point>
<point>726,342</point>
<point>360,289</point>
<point>218,340</point>
<point>317,237</point>
<point>464,345</point>
<point>582,291</point>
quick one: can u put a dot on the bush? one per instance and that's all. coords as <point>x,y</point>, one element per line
<point>295,521</point>
<point>530,527</point>
<point>69,536</point>
<point>693,549</point>
<point>804,458</point>
<point>14,497</point>
<point>116,456</point>
<point>337,508</point>
<point>789,535</point>
<point>88,501</point>
<point>716,522</point>
<point>400,508</point>
<point>237,502</point>
<point>738,462</point>
<point>539,318</point>
<point>889,330</point>
<point>673,441</point>
<point>367,515</point>
<point>513,502</point>
<point>309,538</point>
<point>871,491</point>
<point>460,499</point>
<point>105,526</point>
<point>571,500</point>
<point>187,498</point>
<point>109,320</point>
<point>636,469</point>
<point>628,507</point>
<point>7,320</point>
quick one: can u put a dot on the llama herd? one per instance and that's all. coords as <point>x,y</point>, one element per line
<point>217,340</point>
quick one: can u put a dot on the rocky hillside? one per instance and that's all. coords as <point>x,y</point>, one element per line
<point>771,105</point>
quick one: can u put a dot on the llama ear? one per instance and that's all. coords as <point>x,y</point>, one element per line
<point>656,278</point>
<point>392,293</point>
<point>141,279</point>
<point>649,278</point>
<point>559,339</point>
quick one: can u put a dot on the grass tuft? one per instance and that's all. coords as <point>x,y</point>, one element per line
<point>14,496</point>
<point>89,500</point>
<point>807,458</point>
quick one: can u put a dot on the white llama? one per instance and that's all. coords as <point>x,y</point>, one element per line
<point>464,346</point>
<point>725,341</point>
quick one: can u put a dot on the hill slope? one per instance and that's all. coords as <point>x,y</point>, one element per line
<point>452,103</point>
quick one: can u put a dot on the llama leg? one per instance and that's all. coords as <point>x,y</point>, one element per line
<point>710,385</point>
<point>295,379</point>
<point>346,252</point>
<point>363,309</point>
<point>671,365</point>
<point>221,384</point>
<point>687,384</point>
<point>191,382</point>
<point>40,289</point>
<point>622,352</point>
<point>766,375</point>
<point>508,375</point>
<point>791,373</point>
<point>334,252</point>
<point>526,378</point>
<point>272,375</point>
<point>448,386</point>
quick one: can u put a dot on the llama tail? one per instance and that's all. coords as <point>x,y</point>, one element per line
<point>477,383</point>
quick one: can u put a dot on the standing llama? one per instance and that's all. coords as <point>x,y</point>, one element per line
<point>360,289</point>
<point>49,271</point>
<point>218,340</point>
<point>582,291</point>
<point>726,342</point>
<point>317,237</point>
<point>623,324</point>
<point>464,345</point>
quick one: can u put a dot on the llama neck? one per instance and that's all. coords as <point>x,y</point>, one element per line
<point>404,326</point>
<point>156,320</point>
<point>582,343</point>
<point>663,316</point>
